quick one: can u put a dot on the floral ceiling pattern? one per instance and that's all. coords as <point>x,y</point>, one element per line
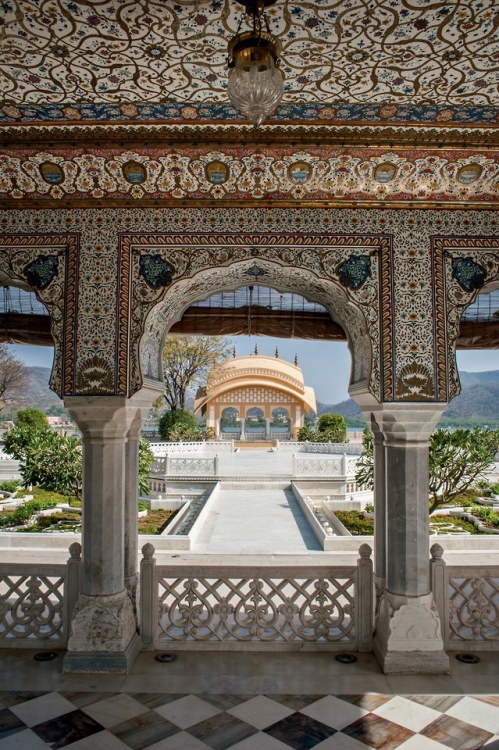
<point>352,51</point>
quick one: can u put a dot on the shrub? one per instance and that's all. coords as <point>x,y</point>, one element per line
<point>10,485</point>
<point>176,418</point>
<point>24,512</point>
<point>332,428</point>
<point>306,433</point>
<point>33,419</point>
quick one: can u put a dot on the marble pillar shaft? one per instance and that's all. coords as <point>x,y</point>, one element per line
<point>407,572</point>
<point>379,506</point>
<point>103,517</point>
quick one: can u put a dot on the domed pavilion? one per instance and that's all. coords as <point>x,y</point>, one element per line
<point>256,398</point>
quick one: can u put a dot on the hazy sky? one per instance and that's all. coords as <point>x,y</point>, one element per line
<point>325,365</point>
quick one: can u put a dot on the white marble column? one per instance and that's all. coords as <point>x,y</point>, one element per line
<point>137,410</point>
<point>103,634</point>
<point>267,428</point>
<point>379,508</point>
<point>408,635</point>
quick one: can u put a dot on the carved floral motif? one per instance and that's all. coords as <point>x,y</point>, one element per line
<point>182,173</point>
<point>474,609</point>
<point>256,609</point>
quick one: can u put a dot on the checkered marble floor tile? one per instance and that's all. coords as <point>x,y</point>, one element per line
<point>161,721</point>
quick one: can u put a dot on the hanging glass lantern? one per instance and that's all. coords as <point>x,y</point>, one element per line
<point>256,84</point>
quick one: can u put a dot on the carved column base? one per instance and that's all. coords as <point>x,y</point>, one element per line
<point>103,635</point>
<point>408,637</point>
<point>131,584</point>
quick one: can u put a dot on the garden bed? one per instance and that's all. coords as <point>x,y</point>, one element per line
<point>156,521</point>
<point>357,522</point>
<point>446,524</point>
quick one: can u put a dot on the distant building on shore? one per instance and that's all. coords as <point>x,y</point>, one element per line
<point>256,398</point>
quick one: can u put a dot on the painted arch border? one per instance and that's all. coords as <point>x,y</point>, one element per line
<point>63,307</point>
<point>136,293</point>
<point>450,299</point>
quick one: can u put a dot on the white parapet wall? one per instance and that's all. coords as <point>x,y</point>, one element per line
<point>293,446</point>
<point>164,448</point>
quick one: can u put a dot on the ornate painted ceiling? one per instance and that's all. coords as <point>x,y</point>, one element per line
<point>386,100</point>
<point>336,53</point>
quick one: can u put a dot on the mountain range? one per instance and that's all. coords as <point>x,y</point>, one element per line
<point>478,401</point>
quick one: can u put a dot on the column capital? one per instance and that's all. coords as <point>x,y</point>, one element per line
<point>403,423</point>
<point>111,416</point>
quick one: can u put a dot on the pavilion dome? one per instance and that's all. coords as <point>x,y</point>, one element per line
<point>257,371</point>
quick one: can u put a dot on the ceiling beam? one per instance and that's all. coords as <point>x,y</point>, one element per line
<point>16,328</point>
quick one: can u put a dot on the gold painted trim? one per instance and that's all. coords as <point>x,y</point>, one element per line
<point>464,205</point>
<point>154,134</point>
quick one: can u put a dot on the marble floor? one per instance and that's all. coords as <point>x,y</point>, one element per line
<point>247,701</point>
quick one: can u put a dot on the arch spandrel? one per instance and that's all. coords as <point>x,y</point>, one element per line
<point>47,265</point>
<point>464,266</point>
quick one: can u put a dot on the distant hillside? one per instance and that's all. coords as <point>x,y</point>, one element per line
<point>479,378</point>
<point>348,408</point>
<point>477,402</point>
<point>40,395</point>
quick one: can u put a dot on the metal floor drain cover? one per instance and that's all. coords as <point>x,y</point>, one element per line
<point>468,658</point>
<point>45,656</point>
<point>346,658</point>
<point>165,658</point>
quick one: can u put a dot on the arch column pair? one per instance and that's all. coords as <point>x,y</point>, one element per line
<point>408,636</point>
<point>103,634</point>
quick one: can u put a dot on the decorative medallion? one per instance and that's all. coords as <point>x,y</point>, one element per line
<point>51,173</point>
<point>156,271</point>
<point>385,172</point>
<point>354,271</point>
<point>42,271</point>
<point>469,274</point>
<point>255,271</point>
<point>415,383</point>
<point>299,172</point>
<point>469,173</point>
<point>217,172</point>
<point>134,172</point>
<point>199,173</point>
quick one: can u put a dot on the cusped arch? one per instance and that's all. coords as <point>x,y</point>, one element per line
<point>39,264</point>
<point>363,339</point>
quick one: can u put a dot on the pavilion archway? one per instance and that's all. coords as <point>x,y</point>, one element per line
<point>345,282</point>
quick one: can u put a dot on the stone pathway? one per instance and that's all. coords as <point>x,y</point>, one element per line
<point>255,520</point>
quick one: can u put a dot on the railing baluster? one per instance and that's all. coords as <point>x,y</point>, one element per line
<point>148,597</point>
<point>438,582</point>
<point>72,588</point>
<point>364,600</point>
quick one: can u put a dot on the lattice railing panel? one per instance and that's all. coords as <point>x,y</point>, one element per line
<point>31,608</point>
<point>473,609</point>
<point>318,467</point>
<point>191,466</point>
<point>256,609</point>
